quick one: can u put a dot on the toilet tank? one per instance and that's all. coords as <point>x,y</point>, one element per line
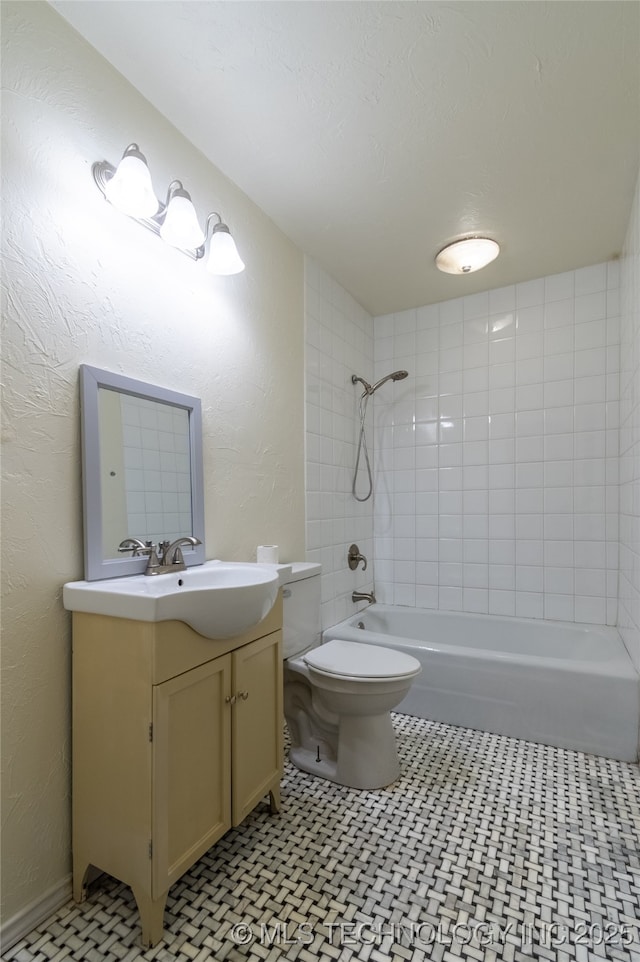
<point>301,615</point>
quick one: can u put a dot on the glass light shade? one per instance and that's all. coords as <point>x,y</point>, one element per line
<point>223,253</point>
<point>130,189</point>
<point>468,255</point>
<point>180,227</point>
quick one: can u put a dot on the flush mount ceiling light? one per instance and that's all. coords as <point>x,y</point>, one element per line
<point>128,187</point>
<point>467,255</point>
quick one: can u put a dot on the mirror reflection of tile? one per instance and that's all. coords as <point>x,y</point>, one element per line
<point>157,468</point>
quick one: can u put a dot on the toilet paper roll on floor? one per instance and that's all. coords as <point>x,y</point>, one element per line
<point>267,554</point>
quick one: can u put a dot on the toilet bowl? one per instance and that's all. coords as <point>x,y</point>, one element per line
<point>338,696</point>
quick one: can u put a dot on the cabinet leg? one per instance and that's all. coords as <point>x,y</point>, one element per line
<point>80,872</point>
<point>151,917</point>
<point>274,800</point>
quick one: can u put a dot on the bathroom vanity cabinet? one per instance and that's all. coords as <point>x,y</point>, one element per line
<point>176,738</point>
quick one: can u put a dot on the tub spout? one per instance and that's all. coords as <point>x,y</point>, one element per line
<point>363,596</point>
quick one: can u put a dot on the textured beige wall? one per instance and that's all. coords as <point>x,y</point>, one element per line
<point>84,284</point>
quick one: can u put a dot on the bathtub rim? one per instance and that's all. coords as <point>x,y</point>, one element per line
<point>620,667</point>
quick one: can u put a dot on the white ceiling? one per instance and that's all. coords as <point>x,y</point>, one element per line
<point>373,133</point>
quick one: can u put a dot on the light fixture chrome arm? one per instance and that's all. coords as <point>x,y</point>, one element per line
<point>220,225</point>
<point>214,213</point>
<point>174,186</point>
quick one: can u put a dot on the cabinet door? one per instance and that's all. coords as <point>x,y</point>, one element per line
<point>191,768</point>
<point>256,749</point>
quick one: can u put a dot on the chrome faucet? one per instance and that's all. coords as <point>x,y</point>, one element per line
<point>163,558</point>
<point>363,596</point>
<point>172,553</point>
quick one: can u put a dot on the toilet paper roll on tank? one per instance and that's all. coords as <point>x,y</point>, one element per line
<point>267,554</point>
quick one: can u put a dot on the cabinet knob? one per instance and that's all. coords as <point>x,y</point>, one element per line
<point>230,699</point>
<point>243,695</point>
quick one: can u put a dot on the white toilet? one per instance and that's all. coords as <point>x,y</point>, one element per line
<point>337,696</point>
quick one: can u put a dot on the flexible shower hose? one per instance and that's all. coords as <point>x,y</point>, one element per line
<point>362,449</point>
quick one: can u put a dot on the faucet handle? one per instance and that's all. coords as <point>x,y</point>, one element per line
<point>154,561</point>
<point>354,558</point>
<point>162,549</point>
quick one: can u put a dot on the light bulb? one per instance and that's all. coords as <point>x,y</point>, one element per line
<point>467,255</point>
<point>180,227</point>
<point>130,189</point>
<point>223,253</point>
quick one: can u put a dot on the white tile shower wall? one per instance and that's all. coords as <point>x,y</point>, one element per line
<point>629,603</point>
<point>497,481</point>
<point>339,343</point>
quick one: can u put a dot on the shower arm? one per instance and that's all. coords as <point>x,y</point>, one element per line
<point>367,387</point>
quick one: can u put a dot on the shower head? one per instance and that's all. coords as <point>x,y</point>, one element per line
<point>371,389</point>
<point>396,376</point>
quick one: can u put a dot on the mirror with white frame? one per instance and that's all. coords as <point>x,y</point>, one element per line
<point>141,470</point>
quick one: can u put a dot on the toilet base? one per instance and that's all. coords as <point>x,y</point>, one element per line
<point>366,754</point>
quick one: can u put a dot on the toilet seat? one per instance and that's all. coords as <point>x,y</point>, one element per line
<point>349,659</point>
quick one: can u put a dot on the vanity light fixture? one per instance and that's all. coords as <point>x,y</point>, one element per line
<point>128,187</point>
<point>223,253</point>
<point>180,227</point>
<point>467,255</point>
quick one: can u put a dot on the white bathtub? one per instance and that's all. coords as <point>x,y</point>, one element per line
<point>568,685</point>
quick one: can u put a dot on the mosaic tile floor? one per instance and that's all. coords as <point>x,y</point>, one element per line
<point>486,848</point>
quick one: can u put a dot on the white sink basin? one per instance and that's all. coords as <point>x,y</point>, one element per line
<point>217,599</point>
